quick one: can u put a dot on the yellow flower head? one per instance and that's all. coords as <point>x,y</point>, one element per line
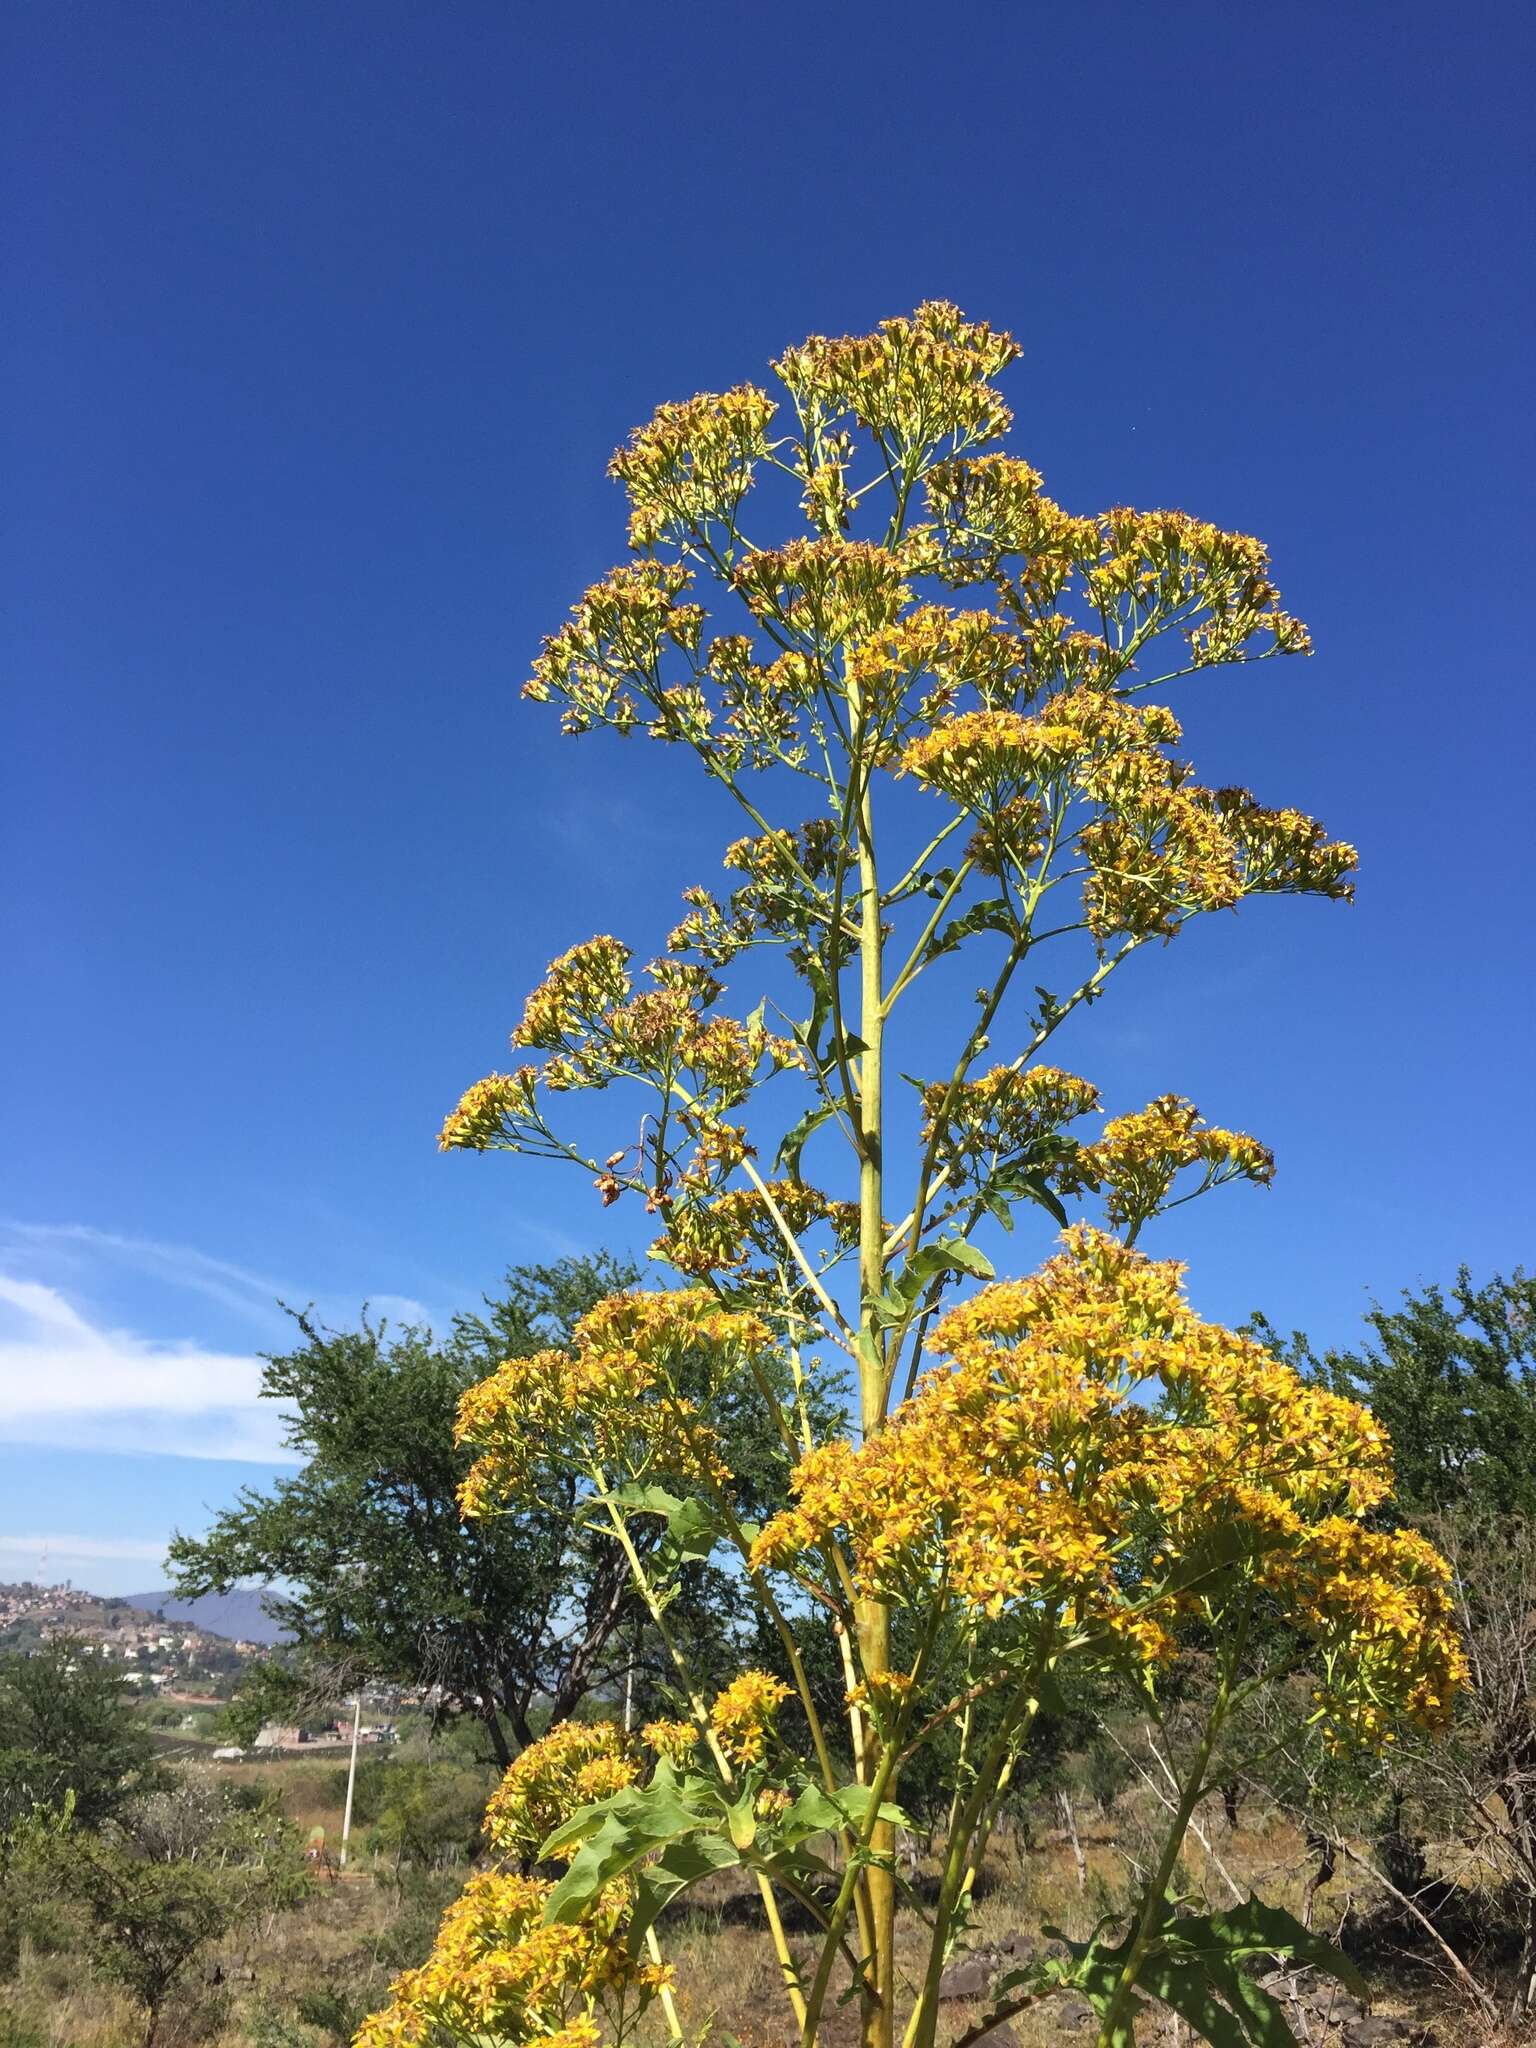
<point>577,1763</point>
<point>693,464</point>
<point>674,1740</point>
<point>625,1396</point>
<point>1010,1114</point>
<point>1138,1158</point>
<point>1019,1473</point>
<point>498,1971</point>
<point>914,381</point>
<point>742,1715</point>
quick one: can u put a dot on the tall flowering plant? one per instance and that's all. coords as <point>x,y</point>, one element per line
<point>951,675</point>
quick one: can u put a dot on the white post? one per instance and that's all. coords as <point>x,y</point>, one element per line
<point>346,1818</point>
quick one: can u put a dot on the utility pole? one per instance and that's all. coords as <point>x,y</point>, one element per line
<point>346,1818</point>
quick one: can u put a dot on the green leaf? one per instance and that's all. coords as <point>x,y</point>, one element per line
<point>799,1862</point>
<point>1095,1972</point>
<point>1257,1929</point>
<point>854,1802</point>
<point>680,1865</point>
<point>693,1526</point>
<point>1265,2016</point>
<point>645,1500</point>
<point>741,1821</point>
<point>616,1834</point>
<point>610,1849</point>
<point>992,914</point>
<point>1187,1991</point>
<point>1049,1973</point>
<point>1046,1198</point>
<point>809,1033</point>
<point>966,1258</point>
<point>792,1144</point>
<point>927,1263</point>
<point>887,1307</point>
<point>814,1812</point>
<point>659,1807</point>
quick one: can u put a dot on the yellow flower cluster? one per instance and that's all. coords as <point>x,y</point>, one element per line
<point>1178,849</point>
<point>1017,1477</point>
<point>1001,1116</point>
<point>841,609</point>
<point>577,992</point>
<point>914,383</point>
<point>498,1973</point>
<point>673,1740</point>
<point>585,1016</point>
<point>1378,1605</point>
<point>989,510</point>
<point>1284,850</point>
<point>619,633</point>
<point>1168,561</point>
<point>1139,1157</point>
<point>784,898</point>
<point>725,1232</point>
<point>576,1763</point>
<point>742,1715</point>
<point>825,591</point>
<point>914,671</point>
<point>776,859</point>
<point>761,704</point>
<point>980,757</point>
<point>495,1112</point>
<point>625,1397</point>
<point>692,465</point>
<point>1157,846</point>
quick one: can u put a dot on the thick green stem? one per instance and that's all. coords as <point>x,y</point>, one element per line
<point>874,1616</point>
<point>959,1864</point>
<point>837,1919</point>
<point>1150,1917</point>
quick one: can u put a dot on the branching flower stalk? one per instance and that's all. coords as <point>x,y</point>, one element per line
<point>930,706</point>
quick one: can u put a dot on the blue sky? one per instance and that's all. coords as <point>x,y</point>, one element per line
<point>323,324</point>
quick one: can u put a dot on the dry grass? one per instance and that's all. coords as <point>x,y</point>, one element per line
<point>728,1984</point>
<point>304,1978</point>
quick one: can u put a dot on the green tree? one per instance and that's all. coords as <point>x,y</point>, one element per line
<point>67,1727</point>
<point>379,1575</point>
<point>1451,1374</point>
<point>516,1618</point>
<point>148,1903</point>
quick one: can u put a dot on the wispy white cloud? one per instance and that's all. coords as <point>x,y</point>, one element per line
<point>70,1382</point>
<point>398,1309</point>
<point>82,1247</point>
<point>544,1237</point>
<point>53,1550</point>
<point>78,1258</point>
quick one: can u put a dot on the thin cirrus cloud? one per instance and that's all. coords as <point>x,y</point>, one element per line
<point>78,1252</point>
<point>78,1385</point>
<point>73,1379</point>
<point>53,1550</point>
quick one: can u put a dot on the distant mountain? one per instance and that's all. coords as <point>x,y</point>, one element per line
<point>238,1615</point>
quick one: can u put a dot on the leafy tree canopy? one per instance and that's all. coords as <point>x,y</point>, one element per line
<point>67,1726</point>
<point>154,1889</point>
<point>376,1573</point>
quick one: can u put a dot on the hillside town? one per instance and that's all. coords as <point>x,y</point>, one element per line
<point>148,1650</point>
